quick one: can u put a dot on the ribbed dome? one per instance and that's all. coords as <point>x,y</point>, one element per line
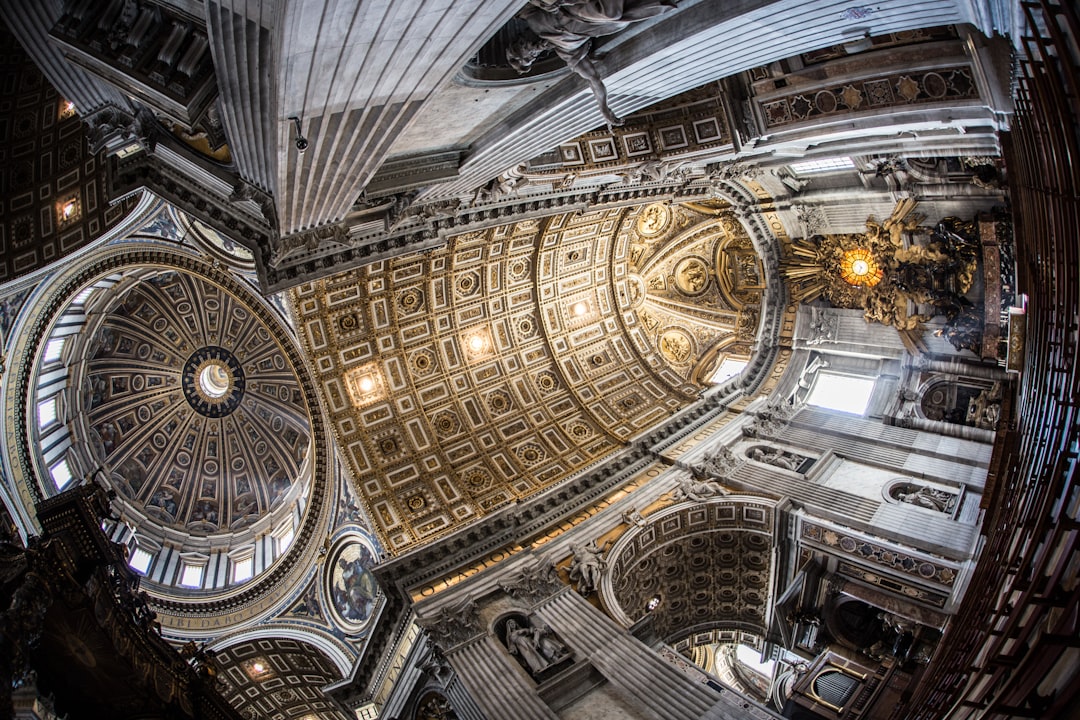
<point>193,408</point>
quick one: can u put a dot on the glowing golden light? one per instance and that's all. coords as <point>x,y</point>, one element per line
<point>476,342</point>
<point>69,209</point>
<point>366,384</point>
<point>858,267</point>
<point>580,308</point>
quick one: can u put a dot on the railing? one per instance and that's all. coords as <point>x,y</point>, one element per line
<point>1011,650</point>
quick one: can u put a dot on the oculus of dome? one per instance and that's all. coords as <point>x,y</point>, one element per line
<point>213,381</point>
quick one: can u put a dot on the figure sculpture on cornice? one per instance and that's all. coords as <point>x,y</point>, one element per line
<point>587,566</point>
<point>690,488</point>
<point>929,498</point>
<point>568,26</point>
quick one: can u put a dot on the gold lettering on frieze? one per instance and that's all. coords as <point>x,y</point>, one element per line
<point>451,579</point>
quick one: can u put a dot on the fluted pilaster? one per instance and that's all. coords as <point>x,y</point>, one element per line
<point>30,21</point>
<point>496,684</point>
<point>625,661</point>
<point>357,73</point>
<point>242,44</point>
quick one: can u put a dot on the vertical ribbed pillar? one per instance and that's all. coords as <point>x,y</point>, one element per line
<point>30,21</point>
<point>464,706</point>
<point>625,661</point>
<point>956,366</point>
<point>498,687</point>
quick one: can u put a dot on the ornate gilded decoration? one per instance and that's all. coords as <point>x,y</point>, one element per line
<point>481,373</point>
<point>858,267</point>
<point>893,280</point>
<point>695,286</point>
<point>653,220</point>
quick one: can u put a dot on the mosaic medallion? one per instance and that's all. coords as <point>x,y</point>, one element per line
<point>352,588</point>
<point>213,381</point>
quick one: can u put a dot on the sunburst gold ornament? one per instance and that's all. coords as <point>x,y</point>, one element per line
<point>858,267</point>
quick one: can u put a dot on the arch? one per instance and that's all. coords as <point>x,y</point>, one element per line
<point>334,650</point>
<point>710,563</point>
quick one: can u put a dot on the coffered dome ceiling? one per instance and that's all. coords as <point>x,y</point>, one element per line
<point>483,372</point>
<point>193,409</point>
<point>695,568</point>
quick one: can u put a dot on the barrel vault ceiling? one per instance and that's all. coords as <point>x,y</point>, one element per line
<point>464,379</point>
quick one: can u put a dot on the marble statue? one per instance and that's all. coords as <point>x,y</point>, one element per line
<point>776,458</point>
<point>536,646</point>
<point>568,26</point>
<point>587,566</point>
<point>690,488</point>
<point>929,498</point>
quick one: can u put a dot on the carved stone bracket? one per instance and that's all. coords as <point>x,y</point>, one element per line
<point>308,240</point>
<point>812,218</point>
<point>534,582</point>
<point>452,626</point>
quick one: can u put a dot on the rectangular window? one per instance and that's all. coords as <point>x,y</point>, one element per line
<point>140,561</point>
<point>809,167</point>
<point>46,412</point>
<point>82,297</point>
<point>53,348</point>
<point>191,575</point>
<point>368,712</point>
<point>729,368</point>
<point>284,537</point>
<point>243,569</point>
<point>61,474</point>
<point>846,393</point>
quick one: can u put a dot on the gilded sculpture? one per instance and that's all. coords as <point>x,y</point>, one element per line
<point>894,280</point>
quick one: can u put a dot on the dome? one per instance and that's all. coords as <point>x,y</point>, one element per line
<point>180,390</point>
<point>194,412</point>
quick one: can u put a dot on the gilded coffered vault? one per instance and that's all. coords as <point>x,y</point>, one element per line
<point>481,373</point>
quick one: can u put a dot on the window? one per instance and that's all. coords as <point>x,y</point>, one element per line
<point>284,537</point>
<point>243,569</point>
<point>61,474</point>
<point>367,712</point>
<point>729,368</point>
<point>82,297</point>
<point>46,412</point>
<point>845,393</point>
<point>191,575</point>
<point>140,561</point>
<point>53,349</point>
<point>809,167</point>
